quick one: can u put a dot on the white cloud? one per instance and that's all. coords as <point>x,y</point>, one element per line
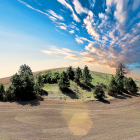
<point>62,27</point>
<point>101,15</point>
<point>80,41</point>
<point>67,5</point>
<point>78,7</point>
<point>55,15</point>
<point>89,22</point>
<point>72,31</point>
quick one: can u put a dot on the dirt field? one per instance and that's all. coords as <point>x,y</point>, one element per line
<point>116,119</point>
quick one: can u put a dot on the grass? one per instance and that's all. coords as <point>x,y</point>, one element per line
<point>79,92</point>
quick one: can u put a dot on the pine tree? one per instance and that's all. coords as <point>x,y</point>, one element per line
<point>1,90</point>
<point>112,88</point>
<point>119,81</point>
<point>130,85</point>
<point>25,68</point>
<point>64,81</point>
<point>78,75</point>
<point>70,73</point>
<point>121,70</point>
<point>86,75</point>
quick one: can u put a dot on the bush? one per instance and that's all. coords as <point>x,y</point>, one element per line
<point>55,77</point>
<point>47,77</point>
<point>112,88</point>
<point>9,94</point>
<point>99,92</point>
<point>64,81</point>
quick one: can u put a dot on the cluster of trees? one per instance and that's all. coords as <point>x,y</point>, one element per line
<point>77,76</point>
<point>23,85</point>
<point>119,83</point>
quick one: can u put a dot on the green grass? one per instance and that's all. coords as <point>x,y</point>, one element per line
<point>83,93</point>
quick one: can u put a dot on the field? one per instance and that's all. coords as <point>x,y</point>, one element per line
<point>117,119</point>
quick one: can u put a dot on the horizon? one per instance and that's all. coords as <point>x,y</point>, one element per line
<point>61,33</point>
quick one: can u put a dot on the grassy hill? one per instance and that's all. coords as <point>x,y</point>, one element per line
<point>79,92</point>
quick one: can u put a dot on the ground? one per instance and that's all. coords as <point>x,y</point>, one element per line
<point>115,119</point>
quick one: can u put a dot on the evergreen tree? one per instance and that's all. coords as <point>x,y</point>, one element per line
<point>78,75</point>
<point>64,81</point>
<point>1,90</point>
<point>130,85</point>
<point>70,73</point>
<point>25,68</point>
<point>86,75</point>
<point>55,77</point>
<point>99,92</point>
<point>121,70</point>
<point>119,81</point>
<point>112,88</point>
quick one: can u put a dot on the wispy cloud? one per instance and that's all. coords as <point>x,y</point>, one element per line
<point>67,5</point>
<point>55,15</point>
<point>68,53</point>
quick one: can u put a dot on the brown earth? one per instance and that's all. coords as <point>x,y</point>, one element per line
<point>44,119</point>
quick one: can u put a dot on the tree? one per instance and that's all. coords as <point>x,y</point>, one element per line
<point>99,92</point>
<point>112,88</point>
<point>120,85</point>
<point>23,86</point>
<point>121,70</point>
<point>64,81</point>
<point>70,73</point>
<point>55,77</point>
<point>1,90</point>
<point>86,75</point>
<point>24,68</point>
<point>130,85</point>
<point>47,77</point>
<point>78,75</point>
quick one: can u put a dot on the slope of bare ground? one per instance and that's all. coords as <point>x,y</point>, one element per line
<point>116,119</point>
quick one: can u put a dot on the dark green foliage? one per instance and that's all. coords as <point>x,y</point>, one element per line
<point>55,77</point>
<point>86,75</point>
<point>1,90</point>
<point>130,85</point>
<point>24,68</point>
<point>9,94</point>
<point>70,73</point>
<point>47,77</point>
<point>112,88</point>
<point>121,70</point>
<point>23,86</point>
<point>64,81</point>
<point>38,84</point>
<point>119,81</point>
<point>99,92</point>
<point>78,75</point>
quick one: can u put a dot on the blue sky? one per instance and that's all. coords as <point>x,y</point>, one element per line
<point>47,34</point>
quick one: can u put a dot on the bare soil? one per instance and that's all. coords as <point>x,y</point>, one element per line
<point>42,119</point>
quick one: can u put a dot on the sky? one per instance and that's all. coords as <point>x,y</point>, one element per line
<point>47,34</point>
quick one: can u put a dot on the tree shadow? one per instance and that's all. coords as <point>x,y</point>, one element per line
<point>131,94</point>
<point>87,87</point>
<point>44,93</point>
<point>70,93</point>
<point>34,102</point>
<point>104,101</point>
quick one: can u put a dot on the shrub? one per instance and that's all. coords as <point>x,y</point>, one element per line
<point>64,81</point>
<point>9,94</point>
<point>99,92</point>
<point>47,77</point>
<point>55,77</point>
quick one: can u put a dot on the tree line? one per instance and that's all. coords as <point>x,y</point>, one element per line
<point>25,86</point>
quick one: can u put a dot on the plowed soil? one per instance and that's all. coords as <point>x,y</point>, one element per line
<point>116,119</point>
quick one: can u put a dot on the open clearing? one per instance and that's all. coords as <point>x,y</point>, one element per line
<point>115,119</point>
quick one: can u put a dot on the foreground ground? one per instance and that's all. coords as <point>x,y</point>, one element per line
<point>115,119</point>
